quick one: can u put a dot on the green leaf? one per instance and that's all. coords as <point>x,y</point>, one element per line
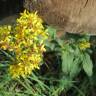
<point>70,64</point>
<point>75,68</point>
<point>65,83</point>
<point>60,42</point>
<point>67,60</point>
<point>52,32</point>
<point>87,65</point>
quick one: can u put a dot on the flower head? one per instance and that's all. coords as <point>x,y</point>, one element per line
<point>84,45</point>
<point>27,41</point>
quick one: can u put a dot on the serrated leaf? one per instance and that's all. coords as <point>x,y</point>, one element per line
<point>87,65</point>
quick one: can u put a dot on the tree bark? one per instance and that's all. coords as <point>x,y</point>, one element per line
<point>74,16</point>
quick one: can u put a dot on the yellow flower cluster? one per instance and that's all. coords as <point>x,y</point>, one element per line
<point>4,34</point>
<point>27,40</point>
<point>84,45</point>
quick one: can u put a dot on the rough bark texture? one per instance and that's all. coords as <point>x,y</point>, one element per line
<point>68,15</point>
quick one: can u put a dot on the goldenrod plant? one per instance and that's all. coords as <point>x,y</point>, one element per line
<point>26,39</point>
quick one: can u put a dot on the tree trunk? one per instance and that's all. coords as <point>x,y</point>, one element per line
<point>74,16</point>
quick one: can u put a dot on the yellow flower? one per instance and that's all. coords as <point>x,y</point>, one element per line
<point>25,68</point>
<point>84,45</point>
<point>26,43</point>
<point>26,39</point>
<point>42,48</point>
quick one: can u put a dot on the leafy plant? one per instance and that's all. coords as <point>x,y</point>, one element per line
<point>65,68</point>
